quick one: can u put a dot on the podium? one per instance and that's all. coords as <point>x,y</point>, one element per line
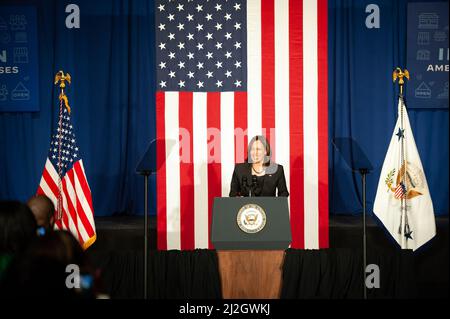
<point>250,235</point>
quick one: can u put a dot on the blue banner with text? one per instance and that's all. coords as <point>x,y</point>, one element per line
<point>427,55</point>
<point>19,80</point>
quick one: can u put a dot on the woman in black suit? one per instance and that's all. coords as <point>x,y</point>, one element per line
<point>258,176</point>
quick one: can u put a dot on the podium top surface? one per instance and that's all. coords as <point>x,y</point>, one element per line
<point>251,223</point>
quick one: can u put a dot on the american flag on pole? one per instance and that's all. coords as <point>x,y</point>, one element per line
<point>227,71</point>
<point>64,182</point>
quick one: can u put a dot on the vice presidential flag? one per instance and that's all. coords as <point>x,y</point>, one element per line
<point>227,71</point>
<point>64,182</point>
<point>403,202</point>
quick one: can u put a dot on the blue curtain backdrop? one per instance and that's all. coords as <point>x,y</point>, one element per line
<point>363,103</point>
<point>111,60</point>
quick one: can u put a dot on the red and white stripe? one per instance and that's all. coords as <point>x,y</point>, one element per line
<point>399,192</point>
<point>286,100</point>
<point>78,216</point>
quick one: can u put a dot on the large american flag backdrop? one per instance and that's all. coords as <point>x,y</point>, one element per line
<point>227,71</point>
<point>64,182</point>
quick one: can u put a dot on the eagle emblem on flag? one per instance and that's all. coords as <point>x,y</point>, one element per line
<point>409,181</point>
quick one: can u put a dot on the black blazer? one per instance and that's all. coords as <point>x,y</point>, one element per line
<point>266,186</point>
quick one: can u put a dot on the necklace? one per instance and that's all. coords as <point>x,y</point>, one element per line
<point>260,172</point>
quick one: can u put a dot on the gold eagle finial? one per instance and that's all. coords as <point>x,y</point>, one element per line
<point>400,74</point>
<point>62,78</point>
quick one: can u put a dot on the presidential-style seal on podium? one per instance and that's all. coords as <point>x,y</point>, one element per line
<point>251,218</point>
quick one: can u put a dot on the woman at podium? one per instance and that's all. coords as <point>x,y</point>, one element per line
<point>258,176</point>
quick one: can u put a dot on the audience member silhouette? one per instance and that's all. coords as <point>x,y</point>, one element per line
<point>54,265</point>
<point>43,210</point>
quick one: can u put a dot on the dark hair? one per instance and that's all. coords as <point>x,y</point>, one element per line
<point>59,245</point>
<point>43,210</point>
<point>266,145</point>
<point>17,227</point>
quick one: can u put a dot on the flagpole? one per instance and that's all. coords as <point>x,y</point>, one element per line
<point>61,78</point>
<point>403,199</point>
<point>59,216</point>
<point>403,228</point>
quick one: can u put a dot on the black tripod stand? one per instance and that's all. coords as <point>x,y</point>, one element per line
<point>358,162</point>
<point>146,167</point>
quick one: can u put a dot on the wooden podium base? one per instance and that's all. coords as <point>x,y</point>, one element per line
<point>251,274</point>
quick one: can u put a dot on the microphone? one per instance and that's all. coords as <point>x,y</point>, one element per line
<point>244,186</point>
<point>254,184</point>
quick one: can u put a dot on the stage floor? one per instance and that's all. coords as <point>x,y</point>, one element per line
<point>345,232</point>
<point>126,233</point>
